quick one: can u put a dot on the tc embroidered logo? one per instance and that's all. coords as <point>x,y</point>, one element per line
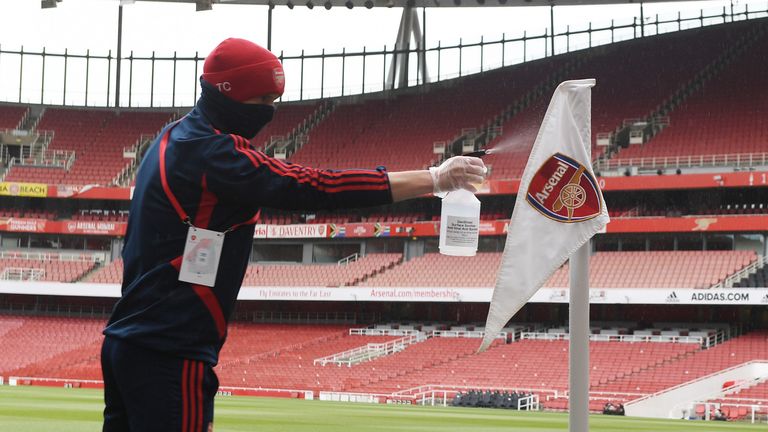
<point>563,190</point>
<point>224,86</point>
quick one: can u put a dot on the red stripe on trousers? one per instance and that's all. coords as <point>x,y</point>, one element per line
<point>199,387</point>
<point>192,397</point>
<point>184,398</point>
<point>210,301</point>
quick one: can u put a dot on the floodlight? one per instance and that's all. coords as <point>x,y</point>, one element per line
<point>47,4</point>
<point>203,5</point>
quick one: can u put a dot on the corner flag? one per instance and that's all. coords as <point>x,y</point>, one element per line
<point>559,205</point>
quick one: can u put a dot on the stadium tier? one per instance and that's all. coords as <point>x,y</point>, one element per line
<point>281,356</point>
<point>406,125</point>
<point>660,269</point>
<point>724,116</point>
<point>54,270</point>
<point>733,352</point>
<point>11,116</point>
<point>110,273</point>
<point>47,346</point>
<point>96,138</point>
<point>320,274</point>
<point>736,405</point>
<point>628,87</point>
<point>288,118</point>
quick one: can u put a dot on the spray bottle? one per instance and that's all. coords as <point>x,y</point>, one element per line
<point>460,220</point>
<point>459,223</point>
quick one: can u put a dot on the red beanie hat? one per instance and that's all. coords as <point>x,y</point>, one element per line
<point>242,70</point>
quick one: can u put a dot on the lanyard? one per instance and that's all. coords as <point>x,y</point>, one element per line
<point>172,198</point>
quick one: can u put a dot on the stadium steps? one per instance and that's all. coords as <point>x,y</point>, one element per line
<point>694,86</point>
<point>372,274</point>
<point>544,89</point>
<point>88,275</point>
<point>659,364</point>
<point>365,385</point>
<point>289,350</point>
<point>298,137</point>
<point>80,363</point>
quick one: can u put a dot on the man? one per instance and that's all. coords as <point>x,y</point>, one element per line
<point>198,193</point>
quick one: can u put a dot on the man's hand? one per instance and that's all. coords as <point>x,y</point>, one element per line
<point>458,172</point>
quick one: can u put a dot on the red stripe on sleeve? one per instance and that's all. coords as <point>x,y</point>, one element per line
<point>207,202</point>
<point>184,397</point>
<point>212,304</point>
<point>176,262</point>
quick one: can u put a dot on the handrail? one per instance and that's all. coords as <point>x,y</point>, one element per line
<point>666,390</point>
<point>616,338</point>
<point>50,256</point>
<point>737,160</point>
<point>466,334</point>
<point>745,272</point>
<point>22,273</point>
<point>370,351</point>
<point>346,260</point>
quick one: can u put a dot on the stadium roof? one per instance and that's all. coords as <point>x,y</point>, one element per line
<point>207,4</point>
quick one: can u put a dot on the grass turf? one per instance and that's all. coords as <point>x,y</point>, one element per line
<point>38,409</point>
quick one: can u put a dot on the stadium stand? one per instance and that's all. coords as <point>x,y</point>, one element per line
<point>660,269</point>
<point>282,356</point>
<point>287,119</point>
<point>757,279</point>
<point>684,54</point>
<point>734,405</point>
<point>27,213</point>
<point>319,274</point>
<point>110,273</point>
<point>44,346</point>
<point>730,353</point>
<point>97,138</point>
<point>358,135</point>
<point>11,116</point>
<point>54,270</point>
<point>724,116</point>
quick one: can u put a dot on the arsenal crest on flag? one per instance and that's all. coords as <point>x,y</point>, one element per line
<point>559,205</point>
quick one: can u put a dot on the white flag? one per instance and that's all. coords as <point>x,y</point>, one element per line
<point>559,205</point>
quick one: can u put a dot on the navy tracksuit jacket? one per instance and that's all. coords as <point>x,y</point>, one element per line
<point>220,182</point>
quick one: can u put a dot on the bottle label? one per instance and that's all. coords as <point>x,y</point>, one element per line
<point>461,231</point>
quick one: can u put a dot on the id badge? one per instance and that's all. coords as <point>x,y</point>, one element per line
<point>201,256</point>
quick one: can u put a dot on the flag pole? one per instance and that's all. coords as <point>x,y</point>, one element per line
<point>578,317</point>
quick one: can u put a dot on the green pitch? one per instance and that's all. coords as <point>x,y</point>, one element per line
<point>36,409</point>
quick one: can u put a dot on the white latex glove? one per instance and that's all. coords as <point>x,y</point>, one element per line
<point>458,172</point>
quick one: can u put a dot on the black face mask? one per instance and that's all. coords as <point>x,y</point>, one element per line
<point>233,117</point>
